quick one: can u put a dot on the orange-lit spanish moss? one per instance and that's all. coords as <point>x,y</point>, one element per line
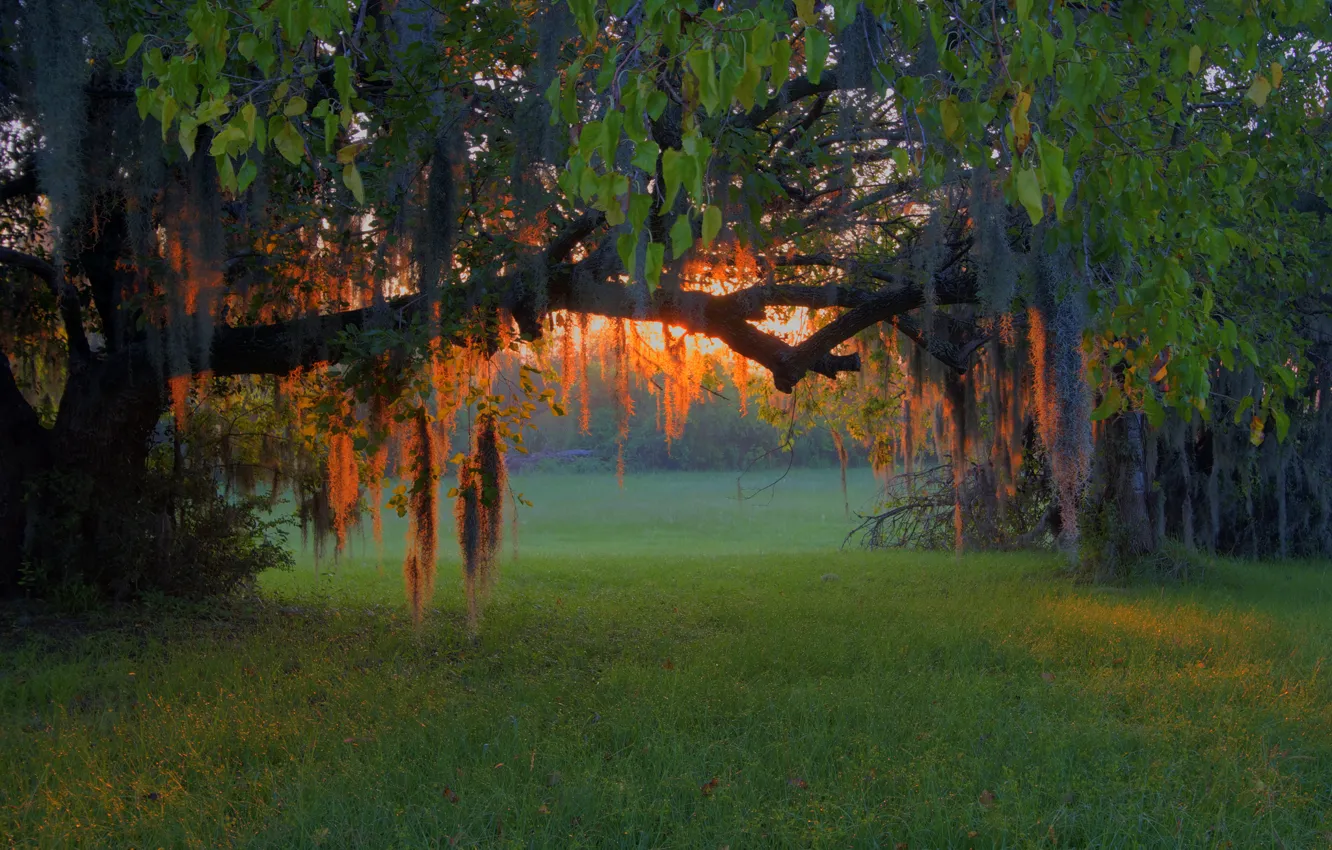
<point>584,391</point>
<point>343,485</point>
<point>377,468</point>
<point>624,403</point>
<point>422,532</point>
<point>180,394</point>
<point>479,513</point>
<point>568,358</point>
<point>1046,412</point>
<point>955,402</point>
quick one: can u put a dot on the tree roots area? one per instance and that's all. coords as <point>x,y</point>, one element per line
<point>655,671</point>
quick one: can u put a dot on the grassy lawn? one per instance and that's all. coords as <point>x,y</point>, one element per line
<point>665,667</point>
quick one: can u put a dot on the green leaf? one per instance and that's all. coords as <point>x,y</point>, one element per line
<point>131,47</point>
<point>1028,190</point>
<point>608,66</point>
<point>749,80</point>
<point>781,63</point>
<point>1156,414</point>
<point>1287,378</point>
<point>342,77</point>
<point>1023,10</point>
<point>656,256</point>
<point>645,156</point>
<point>1282,422</point>
<point>249,116</point>
<point>1245,404</point>
<point>656,104</point>
<point>1250,171</point>
<point>952,119</point>
<point>228,134</point>
<point>1110,404</point>
<point>625,244</point>
<point>610,141</point>
<point>330,131</point>
<point>246,175</point>
<point>703,66</point>
<point>189,131</point>
<point>901,162</point>
<point>590,139</point>
<point>210,110</point>
<point>682,236</point>
<point>1248,350</point>
<point>226,173</point>
<point>639,207</point>
<point>246,44</point>
<point>674,165</point>
<point>288,142</point>
<point>295,106</point>
<point>816,53</point>
<point>1058,181</point>
<point>712,224</point>
<point>1195,59</point>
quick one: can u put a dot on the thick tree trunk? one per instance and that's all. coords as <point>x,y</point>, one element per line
<point>1122,485</point>
<point>68,495</point>
<point>24,454</point>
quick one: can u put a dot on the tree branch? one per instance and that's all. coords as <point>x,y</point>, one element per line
<point>71,311</point>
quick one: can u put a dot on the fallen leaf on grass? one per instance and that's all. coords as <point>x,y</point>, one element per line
<point>543,810</point>
<point>358,740</point>
<point>668,664</point>
<point>708,787</point>
<point>797,782</point>
<point>450,794</point>
<point>901,845</point>
<point>987,798</point>
<point>1048,676</point>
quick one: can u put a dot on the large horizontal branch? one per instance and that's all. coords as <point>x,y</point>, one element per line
<point>280,348</point>
<point>881,292</point>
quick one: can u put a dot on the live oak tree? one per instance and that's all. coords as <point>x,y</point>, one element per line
<point>944,222</point>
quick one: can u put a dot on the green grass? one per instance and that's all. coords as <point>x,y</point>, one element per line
<point>651,646</point>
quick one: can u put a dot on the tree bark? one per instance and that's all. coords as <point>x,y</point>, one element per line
<point>1123,486</point>
<point>24,453</point>
<point>69,492</point>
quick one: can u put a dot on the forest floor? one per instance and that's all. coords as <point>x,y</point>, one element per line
<point>664,667</point>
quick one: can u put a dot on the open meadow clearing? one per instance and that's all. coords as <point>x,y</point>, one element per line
<point>706,674</point>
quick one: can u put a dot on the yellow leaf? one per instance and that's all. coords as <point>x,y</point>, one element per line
<point>1276,70</point>
<point>1256,431</point>
<point>1021,126</point>
<point>1160,373</point>
<point>1259,91</point>
<point>348,153</point>
<point>1195,59</point>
